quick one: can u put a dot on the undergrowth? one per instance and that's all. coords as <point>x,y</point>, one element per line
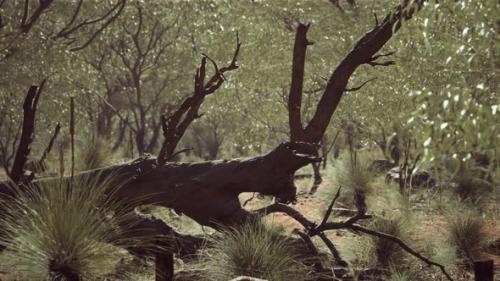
<point>253,249</point>
<point>57,230</point>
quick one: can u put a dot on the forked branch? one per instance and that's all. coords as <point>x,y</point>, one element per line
<point>349,224</point>
<point>175,125</point>
<point>364,52</point>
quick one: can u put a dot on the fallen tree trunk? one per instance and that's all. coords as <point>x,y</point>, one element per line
<point>207,191</point>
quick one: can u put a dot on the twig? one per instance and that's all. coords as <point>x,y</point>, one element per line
<point>330,207</point>
<point>72,134</point>
<point>349,224</point>
<point>360,86</point>
<point>49,146</point>
<point>249,200</point>
<point>307,224</point>
<point>403,245</point>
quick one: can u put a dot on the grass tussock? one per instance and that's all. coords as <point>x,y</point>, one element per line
<point>471,189</point>
<point>400,275</point>
<point>52,233</point>
<point>386,252</point>
<point>253,249</point>
<point>355,177</point>
<point>466,233</point>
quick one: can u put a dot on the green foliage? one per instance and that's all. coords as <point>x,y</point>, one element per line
<point>253,249</point>
<point>466,232</point>
<point>471,189</point>
<point>468,181</point>
<point>454,89</point>
<point>48,228</point>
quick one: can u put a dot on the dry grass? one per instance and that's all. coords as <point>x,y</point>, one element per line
<point>253,249</point>
<point>466,232</point>
<point>50,231</point>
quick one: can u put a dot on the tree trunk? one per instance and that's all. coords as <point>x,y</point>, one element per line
<point>208,191</point>
<point>164,266</point>
<point>317,178</point>
<point>483,270</point>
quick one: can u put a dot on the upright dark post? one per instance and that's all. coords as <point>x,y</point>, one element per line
<point>164,266</point>
<point>483,270</point>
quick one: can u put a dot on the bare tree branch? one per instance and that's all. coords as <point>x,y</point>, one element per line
<point>27,135</point>
<point>120,5</point>
<point>28,22</point>
<point>175,125</point>
<point>363,52</point>
<point>354,89</point>
<point>295,95</point>
<point>46,151</point>
<point>403,245</point>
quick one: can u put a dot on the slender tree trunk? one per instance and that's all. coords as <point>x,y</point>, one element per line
<point>164,266</point>
<point>484,270</point>
<point>317,177</point>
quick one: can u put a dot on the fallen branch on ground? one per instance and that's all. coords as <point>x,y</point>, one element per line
<point>349,224</point>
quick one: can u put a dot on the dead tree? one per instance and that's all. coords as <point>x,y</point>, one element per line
<point>27,133</point>
<point>23,171</point>
<point>175,125</point>
<point>208,191</point>
<point>177,186</point>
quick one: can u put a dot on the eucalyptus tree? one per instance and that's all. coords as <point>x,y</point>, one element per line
<point>136,64</point>
<point>40,40</point>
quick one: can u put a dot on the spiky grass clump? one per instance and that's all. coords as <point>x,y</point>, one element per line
<point>387,252</point>
<point>253,249</point>
<point>51,232</point>
<point>355,178</point>
<point>399,275</point>
<point>466,233</point>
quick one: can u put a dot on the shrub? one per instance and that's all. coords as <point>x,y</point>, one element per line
<point>253,249</point>
<point>466,232</point>
<point>355,178</point>
<point>385,251</point>
<point>52,232</point>
<point>471,189</point>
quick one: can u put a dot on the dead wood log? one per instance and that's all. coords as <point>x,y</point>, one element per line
<point>207,191</point>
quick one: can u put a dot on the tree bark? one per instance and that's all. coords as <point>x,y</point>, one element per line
<point>207,191</point>
<point>483,270</point>
<point>317,178</point>
<point>164,266</point>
